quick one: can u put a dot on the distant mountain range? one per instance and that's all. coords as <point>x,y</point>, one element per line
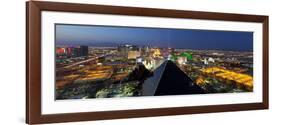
<point>96,44</point>
<point>115,44</point>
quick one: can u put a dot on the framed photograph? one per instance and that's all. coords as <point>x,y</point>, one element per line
<point>93,62</point>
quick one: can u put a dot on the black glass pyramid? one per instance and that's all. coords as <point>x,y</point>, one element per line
<point>169,79</point>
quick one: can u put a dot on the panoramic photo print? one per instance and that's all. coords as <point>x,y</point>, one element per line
<point>93,61</point>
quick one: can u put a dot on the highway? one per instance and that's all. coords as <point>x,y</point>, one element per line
<point>85,61</point>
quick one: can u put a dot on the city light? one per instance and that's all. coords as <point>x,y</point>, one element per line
<point>136,61</point>
<point>238,78</point>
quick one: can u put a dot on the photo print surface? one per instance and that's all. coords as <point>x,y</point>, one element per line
<point>93,61</point>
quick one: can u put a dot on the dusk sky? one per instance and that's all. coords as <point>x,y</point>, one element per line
<point>73,35</point>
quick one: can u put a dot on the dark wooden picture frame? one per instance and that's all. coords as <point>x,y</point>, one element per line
<point>33,61</point>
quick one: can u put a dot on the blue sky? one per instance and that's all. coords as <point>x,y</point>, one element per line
<point>73,35</point>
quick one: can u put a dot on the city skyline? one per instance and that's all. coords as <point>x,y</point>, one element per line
<point>75,35</point>
<point>113,62</point>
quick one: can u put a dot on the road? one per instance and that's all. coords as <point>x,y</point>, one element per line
<point>85,61</point>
